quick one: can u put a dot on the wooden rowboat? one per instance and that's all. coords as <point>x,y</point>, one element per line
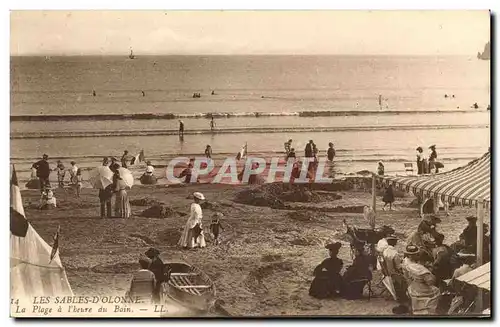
<point>190,286</point>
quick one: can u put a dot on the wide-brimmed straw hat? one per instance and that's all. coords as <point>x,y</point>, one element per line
<point>333,246</point>
<point>198,195</point>
<point>412,250</point>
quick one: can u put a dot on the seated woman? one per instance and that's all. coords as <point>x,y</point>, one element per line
<point>424,296</point>
<point>142,285</point>
<point>356,275</point>
<point>148,178</point>
<point>48,200</point>
<point>327,280</point>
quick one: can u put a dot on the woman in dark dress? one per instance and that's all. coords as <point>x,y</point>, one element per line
<point>157,267</point>
<point>420,161</point>
<point>432,159</point>
<point>388,197</point>
<point>327,281</point>
<point>356,275</point>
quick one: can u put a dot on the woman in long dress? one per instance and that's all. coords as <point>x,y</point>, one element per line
<point>423,294</point>
<point>192,236</point>
<point>122,204</point>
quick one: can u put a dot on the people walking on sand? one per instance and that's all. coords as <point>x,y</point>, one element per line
<point>43,172</point>
<point>216,226</point>
<point>61,172</point>
<point>122,204</point>
<point>208,151</point>
<point>388,197</point>
<point>124,159</point>
<point>331,152</point>
<point>420,161</point>
<point>380,168</point>
<point>189,238</point>
<point>212,124</point>
<point>105,195</point>
<point>181,128</point>
<point>79,182</point>
<point>288,146</point>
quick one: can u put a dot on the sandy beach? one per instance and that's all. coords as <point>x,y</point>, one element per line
<point>263,267</point>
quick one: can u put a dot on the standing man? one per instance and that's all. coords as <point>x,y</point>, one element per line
<point>181,128</point>
<point>212,124</point>
<point>124,159</point>
<point>43,172</point>
<point>331,152</point>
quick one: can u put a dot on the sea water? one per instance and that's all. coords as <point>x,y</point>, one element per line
<point>259,100</point>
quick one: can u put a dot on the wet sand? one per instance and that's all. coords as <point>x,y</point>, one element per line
<point>263,267</point>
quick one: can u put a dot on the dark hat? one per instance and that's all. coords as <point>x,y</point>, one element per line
<point>391,237</point>
<point>412,250</point>
<point>72,162</point>
<point>152,252</point>
<point>420,149</point>
<point>334,246</point>
<point>439,237</point>
<point>471,218</point>
<point>432,146</point>
<point>45,156</point>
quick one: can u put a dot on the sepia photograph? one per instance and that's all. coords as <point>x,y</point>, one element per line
<point>232,164</point>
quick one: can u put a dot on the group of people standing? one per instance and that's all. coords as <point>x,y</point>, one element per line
<point>429,164</point>
<point>310,150</point>
<point>118,190</point>
<point>193,235</point>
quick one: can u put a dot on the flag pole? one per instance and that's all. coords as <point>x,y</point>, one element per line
<point>479,254</point>
<point>374,200</point>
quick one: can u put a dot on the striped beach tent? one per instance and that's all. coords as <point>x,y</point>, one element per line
<point>465,185</point>
<point>32,270</point>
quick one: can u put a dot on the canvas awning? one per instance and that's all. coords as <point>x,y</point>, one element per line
<point>479,277</point>
<point>462,186</point>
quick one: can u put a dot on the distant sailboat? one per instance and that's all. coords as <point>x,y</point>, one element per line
<point>131,55</point>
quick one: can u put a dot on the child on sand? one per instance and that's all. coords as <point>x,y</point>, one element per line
<point>381,168</point>
<point>79,181</point>
<point>388,197</point>
<point>216,226</point>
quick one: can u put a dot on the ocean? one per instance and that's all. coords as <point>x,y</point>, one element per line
<point>259,100</point>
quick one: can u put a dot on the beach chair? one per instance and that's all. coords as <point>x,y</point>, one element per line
<point>408,168</point>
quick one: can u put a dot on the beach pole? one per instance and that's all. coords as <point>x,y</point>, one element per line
<point>479,254</point>
<point>374,200</point>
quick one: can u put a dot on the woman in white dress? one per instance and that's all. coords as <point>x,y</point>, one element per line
<point>190,237</point>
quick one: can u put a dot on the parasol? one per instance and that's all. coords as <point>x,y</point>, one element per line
<point>101,177</point>
<point>126,177</point>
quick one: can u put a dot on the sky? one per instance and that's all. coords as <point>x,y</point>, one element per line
<point>250,32</point>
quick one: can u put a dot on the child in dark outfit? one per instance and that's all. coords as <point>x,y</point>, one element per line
<point>215,226</point>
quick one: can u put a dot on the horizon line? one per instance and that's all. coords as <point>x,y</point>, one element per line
<point>241,54</point>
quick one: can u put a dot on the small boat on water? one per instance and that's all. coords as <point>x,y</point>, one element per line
<point>190,286</point>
